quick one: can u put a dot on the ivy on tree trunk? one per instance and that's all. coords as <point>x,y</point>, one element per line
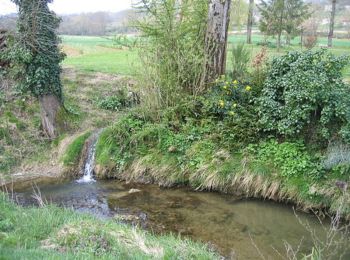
<point>36,52</point>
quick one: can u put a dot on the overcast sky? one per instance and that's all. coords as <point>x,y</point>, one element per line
<point>74,6</point>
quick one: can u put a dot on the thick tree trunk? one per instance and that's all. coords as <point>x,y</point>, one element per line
<point>250,21</point>
<point>49,106</point>
<point>331,24</point>
<point>216,38</point>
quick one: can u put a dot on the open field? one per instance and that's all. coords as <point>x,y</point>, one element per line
<point>97,54</point>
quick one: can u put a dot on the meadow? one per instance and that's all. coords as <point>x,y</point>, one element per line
<point>99,54</point>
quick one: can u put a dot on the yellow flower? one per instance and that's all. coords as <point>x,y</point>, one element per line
<point>225,87</point>
<point>231,113</point>
<point>235,82</point>
<point>248,88</point>
<point>221,103</point>
<point>234,105</point>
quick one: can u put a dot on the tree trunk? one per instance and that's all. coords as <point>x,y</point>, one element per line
<point>331,24</point>
<point>250,21</point>
<point>216,38</point>
<point>279,42</point>
<point>49,106</point>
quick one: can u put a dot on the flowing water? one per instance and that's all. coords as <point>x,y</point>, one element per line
<point>231,226</point>
<point>237,229</point>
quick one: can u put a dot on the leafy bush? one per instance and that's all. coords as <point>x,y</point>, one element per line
<point>305,94</point>
<point>117,102</point>
<point>226,97</point>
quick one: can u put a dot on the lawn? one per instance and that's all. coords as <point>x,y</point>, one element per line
<point>97,54</point>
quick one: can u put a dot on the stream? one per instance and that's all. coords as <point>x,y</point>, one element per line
<point>236,228</point>
<point>232,226</point>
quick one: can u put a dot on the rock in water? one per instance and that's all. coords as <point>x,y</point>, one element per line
<point>134,191</point>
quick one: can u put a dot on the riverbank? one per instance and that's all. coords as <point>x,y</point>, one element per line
<point>194,154</point>
<point>54,233</point>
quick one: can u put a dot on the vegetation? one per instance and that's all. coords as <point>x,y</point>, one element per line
<point>54,233</point>
<point>267,128</point>
<point>217,141</point>
<point>73,151</point>
<point>37,56</point>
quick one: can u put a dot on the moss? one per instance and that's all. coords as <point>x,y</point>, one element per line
<point>72,154</point>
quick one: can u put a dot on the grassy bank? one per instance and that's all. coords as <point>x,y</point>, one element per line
<point>200,153</point>
<point>55,233</point>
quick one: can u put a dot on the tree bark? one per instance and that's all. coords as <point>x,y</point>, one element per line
<point>216,38</point>
<point>250,21</point>
<point>50,106</point>
<point>331,24</point>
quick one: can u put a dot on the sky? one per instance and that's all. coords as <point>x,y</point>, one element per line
<point>74,6</point>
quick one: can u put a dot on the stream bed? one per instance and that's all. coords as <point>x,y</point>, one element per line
<point>239,229</point>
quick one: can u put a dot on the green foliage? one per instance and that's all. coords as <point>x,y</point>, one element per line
<point>173,49</point>
<point>116,102</point>
<point>278,16</point>
<point>240,61</point>
<point>227,97</point>
<point>36,52</point>
<point>291,158</point>
<point>305,93</point>
<point>72,154</point>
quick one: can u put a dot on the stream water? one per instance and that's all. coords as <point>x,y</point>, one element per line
<point>232,226</point>
<point>237,229</point>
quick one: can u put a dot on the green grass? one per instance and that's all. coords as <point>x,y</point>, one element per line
<point>56,233</point>
<point>73,151</point>
<point>97,54</point>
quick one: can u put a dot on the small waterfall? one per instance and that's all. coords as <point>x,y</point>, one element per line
<point>88,167</point>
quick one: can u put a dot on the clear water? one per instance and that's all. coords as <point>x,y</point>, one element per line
<point>235,228</point>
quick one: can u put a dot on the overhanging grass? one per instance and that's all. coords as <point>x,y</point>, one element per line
<point>72,154</point>
<point>137,151</point>
<point>55,233</point>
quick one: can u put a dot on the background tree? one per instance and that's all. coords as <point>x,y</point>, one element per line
<point>272,15</point>
<point>296,13</point>
<point>278,16</point>
<point>37,53</point>
<point>250,21</point>
<point>331,24</point>
<point>238,14</point>
<point>216,38</point>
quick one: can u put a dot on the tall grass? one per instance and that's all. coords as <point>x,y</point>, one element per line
<point>172,50</point>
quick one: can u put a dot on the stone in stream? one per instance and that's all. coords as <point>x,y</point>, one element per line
<point>131,191</point>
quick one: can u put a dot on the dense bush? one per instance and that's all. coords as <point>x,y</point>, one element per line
<point>305,94</point>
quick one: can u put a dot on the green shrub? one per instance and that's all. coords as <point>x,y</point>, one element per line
<point>116,102</point>
<point>227,97</point>
<point>71,157</point>
<point>305,94</point>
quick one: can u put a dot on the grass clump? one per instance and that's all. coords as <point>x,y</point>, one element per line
<point>72,154</point>
<point>56,233</point>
